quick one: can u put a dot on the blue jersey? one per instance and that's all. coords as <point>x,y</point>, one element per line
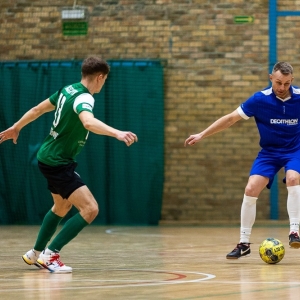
<point>277,120</point>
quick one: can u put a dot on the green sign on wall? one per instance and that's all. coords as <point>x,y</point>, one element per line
<point>243,19</point>
<point>75,28</point>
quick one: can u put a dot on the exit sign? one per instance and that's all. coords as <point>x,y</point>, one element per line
<point>75,28</point>
<point>243,19</point>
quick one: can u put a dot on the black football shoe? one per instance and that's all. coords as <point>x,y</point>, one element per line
<point>241,250</point>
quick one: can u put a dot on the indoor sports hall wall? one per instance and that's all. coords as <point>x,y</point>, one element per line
<point>127,182</point>
<point>213,61</point>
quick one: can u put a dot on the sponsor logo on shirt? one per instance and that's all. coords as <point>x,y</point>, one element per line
<point>284,121</point>
<point>54,133</point>
<point>70,90</point>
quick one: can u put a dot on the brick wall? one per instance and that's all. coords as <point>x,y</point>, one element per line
<point>212,66</point>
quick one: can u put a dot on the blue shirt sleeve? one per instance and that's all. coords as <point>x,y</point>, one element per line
<point>249,107</point>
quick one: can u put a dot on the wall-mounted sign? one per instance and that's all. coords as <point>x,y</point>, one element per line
<point>243,19</point>
<point>75,28</point>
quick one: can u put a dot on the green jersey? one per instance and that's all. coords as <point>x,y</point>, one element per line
<point>67,135</point>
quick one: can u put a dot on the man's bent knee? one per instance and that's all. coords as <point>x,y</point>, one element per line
<point>251,191</point>
<point>61,207</point>
<point>292,180</point>
<point>255,185</point>
<point>90,212</point>
<point>94,212</point>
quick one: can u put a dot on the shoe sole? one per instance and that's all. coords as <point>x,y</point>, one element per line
<point>232,257</point>
<point>61,272</point>
<point>50,270</point>
<point>295,245</point>
<point>44,265</point>
<point>28,262</point>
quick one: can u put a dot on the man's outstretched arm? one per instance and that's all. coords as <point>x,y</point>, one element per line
<point>96,126</point>
<point>219,125</point>
<point>12,133</point>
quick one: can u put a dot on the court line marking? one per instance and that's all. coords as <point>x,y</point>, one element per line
<point>125,232</point>
<point>135,283</point>
<point>259,282</point>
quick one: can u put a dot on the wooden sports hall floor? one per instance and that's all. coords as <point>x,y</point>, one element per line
<point>163,262</point>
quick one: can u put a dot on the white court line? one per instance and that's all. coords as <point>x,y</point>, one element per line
<point>137,283</point>
<point>258,282</point>
<point>125,232</point>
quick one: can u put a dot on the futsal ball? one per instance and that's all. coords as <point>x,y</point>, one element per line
<point>271,251</point>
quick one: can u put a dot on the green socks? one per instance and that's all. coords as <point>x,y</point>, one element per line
<point>48,228</point>
<point>69,231</point>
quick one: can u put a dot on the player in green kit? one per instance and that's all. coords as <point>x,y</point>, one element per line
<point>73,120</point>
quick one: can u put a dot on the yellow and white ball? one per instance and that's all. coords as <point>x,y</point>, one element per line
<point>271,251</point>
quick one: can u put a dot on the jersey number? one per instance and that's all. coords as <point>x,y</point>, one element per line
<point>59,108</point>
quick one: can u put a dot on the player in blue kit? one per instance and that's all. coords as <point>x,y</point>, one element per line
<point>276,111</point>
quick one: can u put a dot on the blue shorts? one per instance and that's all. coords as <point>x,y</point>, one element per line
<point>268,164</point>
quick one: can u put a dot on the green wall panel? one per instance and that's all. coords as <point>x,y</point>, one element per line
<point>126,181</point>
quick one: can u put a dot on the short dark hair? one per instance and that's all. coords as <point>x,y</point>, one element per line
<point>92,65</point>
<point>284,67</point>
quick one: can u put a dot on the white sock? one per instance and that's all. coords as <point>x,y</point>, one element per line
<point>248,214</point>
<point>293,207</point>
<point>48,251</point>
